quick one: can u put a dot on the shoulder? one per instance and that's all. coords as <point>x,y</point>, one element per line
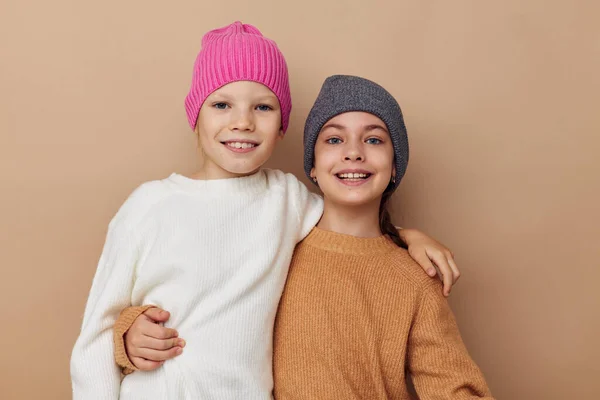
<point>290,184</point>
<point>405,267</point>
<point>307,206</point>
<point>276,177</point>
<point>140,202</point>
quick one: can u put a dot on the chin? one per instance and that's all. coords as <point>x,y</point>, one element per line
<point>244,169</point>
<point>355,200</point>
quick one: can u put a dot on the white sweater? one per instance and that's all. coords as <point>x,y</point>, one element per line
<point>216,255</point>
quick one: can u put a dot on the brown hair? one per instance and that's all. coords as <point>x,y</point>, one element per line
<point>385,220</point>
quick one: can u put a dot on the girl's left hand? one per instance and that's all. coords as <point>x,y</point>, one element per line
<point>432,256</point>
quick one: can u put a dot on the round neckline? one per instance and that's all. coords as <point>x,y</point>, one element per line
<point>348,244</point>
<point>250,184</point>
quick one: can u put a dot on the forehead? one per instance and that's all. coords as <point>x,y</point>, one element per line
<point>355,123</point>
<point>244,88</point>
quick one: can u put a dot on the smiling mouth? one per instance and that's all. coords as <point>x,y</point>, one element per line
<point>353,176</point>
<point>240,145</point>
<point>353,179</point>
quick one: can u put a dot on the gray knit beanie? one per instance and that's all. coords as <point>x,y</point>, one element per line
<point>344,93</point>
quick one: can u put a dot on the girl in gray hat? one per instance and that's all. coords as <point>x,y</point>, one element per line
<point>343,330</point>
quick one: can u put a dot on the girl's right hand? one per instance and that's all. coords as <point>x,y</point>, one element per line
<point>149,344</point>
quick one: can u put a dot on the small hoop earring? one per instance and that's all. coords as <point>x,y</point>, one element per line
<point>393,178</point>
<point>314,178</point>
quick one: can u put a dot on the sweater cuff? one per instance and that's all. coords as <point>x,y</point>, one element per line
<point>122,325</point>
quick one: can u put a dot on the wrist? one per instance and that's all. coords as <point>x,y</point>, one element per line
<point>403,233</point>
<point>411,235</point>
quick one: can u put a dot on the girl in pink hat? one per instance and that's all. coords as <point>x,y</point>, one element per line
<point>213,248</point>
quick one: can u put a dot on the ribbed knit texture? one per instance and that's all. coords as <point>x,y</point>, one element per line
<point>357,312</point>
<point>215,254</point>
<point>238,52</point>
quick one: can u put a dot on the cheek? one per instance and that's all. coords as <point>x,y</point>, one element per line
<point>324,161</point>
<point>210,123</point>
<point>384,160</point>
<point>271,125</point>
<point>386,165</point>
<point>206,137</point>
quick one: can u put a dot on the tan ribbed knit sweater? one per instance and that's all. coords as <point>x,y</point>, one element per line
<point>356,316</point>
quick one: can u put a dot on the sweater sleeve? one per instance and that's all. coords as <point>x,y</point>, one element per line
<point>126,319</point>
<point>94,373</point>
<point>438,360</point>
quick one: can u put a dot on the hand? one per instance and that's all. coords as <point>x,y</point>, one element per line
<point>432,256</point>
<point>149,344</point>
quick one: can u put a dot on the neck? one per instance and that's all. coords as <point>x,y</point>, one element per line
<point>359,221</point>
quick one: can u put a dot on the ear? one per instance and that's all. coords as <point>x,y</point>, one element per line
<point>281,134</point>
<point>394,171</point>
<point>313,174</point>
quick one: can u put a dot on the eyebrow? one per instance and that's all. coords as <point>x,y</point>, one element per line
<point>335,126</point>
<point>376,126</point>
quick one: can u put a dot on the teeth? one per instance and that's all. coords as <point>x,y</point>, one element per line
<point>240,145</point>
<point>352,175</point>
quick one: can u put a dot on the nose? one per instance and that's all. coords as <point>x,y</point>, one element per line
<point>354,153</point>
<point>242,121</point>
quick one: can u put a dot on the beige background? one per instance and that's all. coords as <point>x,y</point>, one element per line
<point>500,98</point>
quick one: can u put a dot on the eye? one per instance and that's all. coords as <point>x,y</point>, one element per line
<point>334,140</point>
<point>373,140</point>
<point>220,106</point>
<point>264,107</point>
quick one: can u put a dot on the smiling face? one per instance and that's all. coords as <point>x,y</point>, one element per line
<point>354,159</point>
<point>238,127</point>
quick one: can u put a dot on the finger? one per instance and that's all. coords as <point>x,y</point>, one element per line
<point>163,344</point>
<point>147,328</point>
<point>147,342</point>
<point>424,262</point>
<point>145,365</point>
<point>159,355</point>
<point>136,346</point>
<point>157,314</point>
<point>454,268</point>
<point>446,272</point>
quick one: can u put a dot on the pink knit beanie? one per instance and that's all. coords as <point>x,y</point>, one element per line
<point>238,52</point>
